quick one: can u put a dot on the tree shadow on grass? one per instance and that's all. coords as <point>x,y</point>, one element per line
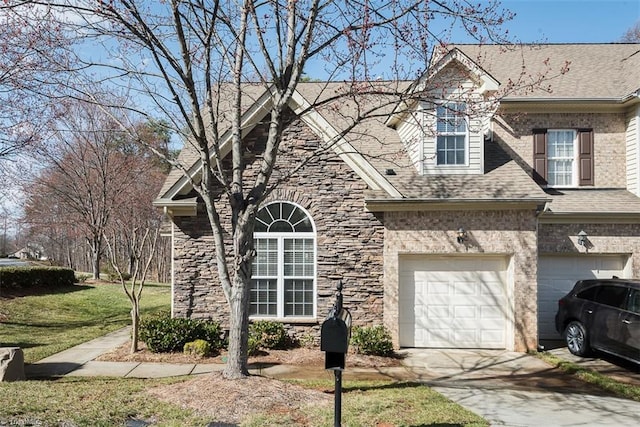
<point>382,386</point>
<point>47,370</point>
<point>11,293</point>
<point>68,324</point>
<point>20,344</point>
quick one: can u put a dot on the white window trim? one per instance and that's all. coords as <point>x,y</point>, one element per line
<point>280,237</point>
<point>466,138</point>
<point>574,166</point>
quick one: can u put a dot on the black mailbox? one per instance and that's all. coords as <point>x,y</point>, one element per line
<point>334,341</point>
<point>335,333</point>
<point>334,338</point>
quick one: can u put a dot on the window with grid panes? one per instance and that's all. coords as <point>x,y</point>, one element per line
<point>451,130</point>
<point>283,276</point>
<point>561,157</point>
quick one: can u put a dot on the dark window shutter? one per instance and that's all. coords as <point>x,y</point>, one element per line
<point>540,156</point>
<point>585,156</point>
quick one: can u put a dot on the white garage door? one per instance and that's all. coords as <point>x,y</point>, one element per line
<point>556,276</point>
<point>453,302</point>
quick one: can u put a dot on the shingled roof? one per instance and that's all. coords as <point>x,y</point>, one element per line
<point>609,71</point>
<point>602,72</point>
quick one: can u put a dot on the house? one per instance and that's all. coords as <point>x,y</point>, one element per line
<point>454,227</point>
<point>31,251</point>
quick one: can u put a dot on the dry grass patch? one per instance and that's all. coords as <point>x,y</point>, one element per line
<point>232,401</point>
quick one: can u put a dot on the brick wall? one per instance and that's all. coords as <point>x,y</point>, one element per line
<point>603,239</point>
<point>509,233</point>
<point>349,239</point>
<point>515,130</point>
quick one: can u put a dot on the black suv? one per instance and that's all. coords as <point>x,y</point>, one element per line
<point>602,314</point>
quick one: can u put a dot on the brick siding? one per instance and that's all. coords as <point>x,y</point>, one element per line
<point>515,130</point>
<point>509,233</point>
<point>604,239</point>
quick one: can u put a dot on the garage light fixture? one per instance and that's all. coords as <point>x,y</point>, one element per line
<point>462,235</point>
<point>582,238</point>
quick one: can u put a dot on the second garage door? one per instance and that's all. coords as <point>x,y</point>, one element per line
<point>453,302</point>
<point>556,276</point>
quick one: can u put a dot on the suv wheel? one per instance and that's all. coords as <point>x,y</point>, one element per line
<point>575,336</point>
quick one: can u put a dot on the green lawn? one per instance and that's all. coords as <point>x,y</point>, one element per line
<point>627,391</point>
<point>46,324</point>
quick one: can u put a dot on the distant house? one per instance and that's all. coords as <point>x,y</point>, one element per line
<point>453,228</point>
<point>31,251</point>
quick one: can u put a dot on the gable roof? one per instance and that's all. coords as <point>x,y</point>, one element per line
<point>486,82</point>
<point>253,101</point>
<point>330,121</point>
<point>605,73</point>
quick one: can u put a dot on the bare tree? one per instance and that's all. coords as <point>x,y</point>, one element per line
<point>142,244</point>
<point>632,35</point>
<point>92,178</point>
<point>201,63</point>
<point>33,49</point>
<point>85,176</point>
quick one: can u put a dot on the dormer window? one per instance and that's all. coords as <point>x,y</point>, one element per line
<point>451,134</point>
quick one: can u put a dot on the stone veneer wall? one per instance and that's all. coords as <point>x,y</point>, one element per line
<point>511,233</point>
<point>604,239</point>
<point>515,130</point>
<point>349,238</point>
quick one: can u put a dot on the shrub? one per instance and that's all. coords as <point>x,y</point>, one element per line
<point>371,340</point>
<point>253,345</point>
<point>198,348</point>
<point>164,334</point>
<point>42,278</point>
<point>267,334</point>
<point>82,277</point>
<point>113,276</point>
<point>307,341</point>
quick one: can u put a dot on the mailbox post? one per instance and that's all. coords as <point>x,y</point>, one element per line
<point>334,341</point>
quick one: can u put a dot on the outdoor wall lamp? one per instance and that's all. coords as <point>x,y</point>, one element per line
<point>582,238</point>
<point>462,235</point>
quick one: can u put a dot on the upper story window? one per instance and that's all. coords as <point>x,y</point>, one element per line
<point>563,157</point>
<point>451,134</point>
<point>561,161</point>
<point>283,276</point>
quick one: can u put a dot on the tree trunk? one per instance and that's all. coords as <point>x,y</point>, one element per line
<point>135,319</point>
<point>70,258</point>
<point>238,322</point>
<point>132,263</point>
<point>95,260</point>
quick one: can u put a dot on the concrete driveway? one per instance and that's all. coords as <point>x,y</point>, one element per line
<point>515,389</point>
<point>12,262</point>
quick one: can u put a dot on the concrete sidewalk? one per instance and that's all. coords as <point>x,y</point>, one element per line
<point>79,361</point>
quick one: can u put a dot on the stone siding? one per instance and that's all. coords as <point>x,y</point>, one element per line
<point>515,130</point>
<point>509,233</point>
<point>349,238</point>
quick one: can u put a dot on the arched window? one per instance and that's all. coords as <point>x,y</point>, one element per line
<point>283,276</point>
